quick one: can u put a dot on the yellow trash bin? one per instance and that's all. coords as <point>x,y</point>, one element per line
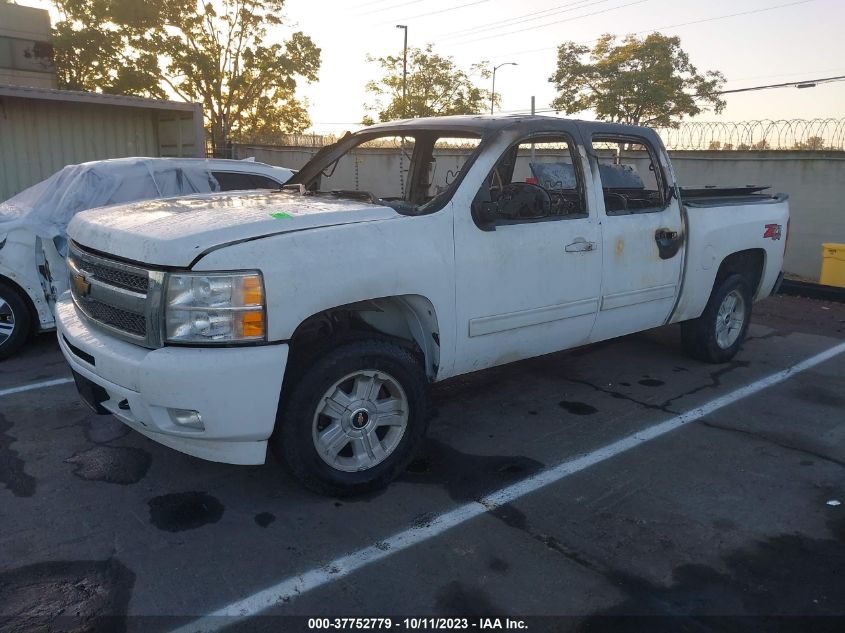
<point>833,265</point>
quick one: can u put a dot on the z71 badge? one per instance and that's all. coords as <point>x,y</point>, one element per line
<point>773,231</point>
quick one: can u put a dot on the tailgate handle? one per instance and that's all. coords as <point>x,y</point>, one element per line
<point>665,235</point>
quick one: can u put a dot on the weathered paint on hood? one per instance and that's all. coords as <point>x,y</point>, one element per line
<point>173,231</point>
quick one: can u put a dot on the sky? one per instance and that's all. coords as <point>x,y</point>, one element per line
<point>774,41</point>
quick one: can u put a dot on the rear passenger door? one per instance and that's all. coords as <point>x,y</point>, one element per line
<point>642,233</point>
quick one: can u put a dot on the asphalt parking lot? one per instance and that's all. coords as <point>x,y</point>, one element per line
<point>728,522</point>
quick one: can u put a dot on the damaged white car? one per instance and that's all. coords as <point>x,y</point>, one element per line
<point>33,223</point>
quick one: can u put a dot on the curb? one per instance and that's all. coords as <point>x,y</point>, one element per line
<point>813,291</point>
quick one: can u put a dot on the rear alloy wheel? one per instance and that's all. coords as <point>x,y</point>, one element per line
<point>351,419</point>
<point>14,321</point>
<point>717,335</point>
<point>730,319</point>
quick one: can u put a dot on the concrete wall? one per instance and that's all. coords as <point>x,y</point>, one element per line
<point>815,182</point>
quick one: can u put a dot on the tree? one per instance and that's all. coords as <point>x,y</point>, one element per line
<point>812,143</point>
<point>91,53</point>
<point>436,87</point>
<point>646,81</point>
<point>217,53</point>
<point>760,145</point>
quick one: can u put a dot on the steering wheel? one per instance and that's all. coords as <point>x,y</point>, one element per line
<point>524,200</point>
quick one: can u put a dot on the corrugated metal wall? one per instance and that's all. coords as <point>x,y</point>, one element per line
<point>39,137</point>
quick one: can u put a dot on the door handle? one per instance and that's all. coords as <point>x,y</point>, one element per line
<point>665,235</point>
<point>668,242</point>
<point>580,245</point>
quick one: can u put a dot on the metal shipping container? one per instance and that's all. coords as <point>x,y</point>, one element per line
<point>42,130</point>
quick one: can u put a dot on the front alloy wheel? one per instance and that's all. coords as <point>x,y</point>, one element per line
<point>350,419</point>
<point>360,420</point>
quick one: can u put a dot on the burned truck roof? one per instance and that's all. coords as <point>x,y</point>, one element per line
<point>483,124</point>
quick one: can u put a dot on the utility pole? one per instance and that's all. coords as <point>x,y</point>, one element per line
<point>404,27</point>
<point>532,114</point>
<point>493,92</point>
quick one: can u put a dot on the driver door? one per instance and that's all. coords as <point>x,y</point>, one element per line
<point>527,254</point>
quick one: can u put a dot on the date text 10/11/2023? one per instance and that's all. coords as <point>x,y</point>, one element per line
<point>414,624</point>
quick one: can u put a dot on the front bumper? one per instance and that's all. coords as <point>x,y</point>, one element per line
<point>235,390</point>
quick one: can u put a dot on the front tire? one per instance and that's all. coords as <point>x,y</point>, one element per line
<point>15,321</point>
<point>717,335</point>
<point>351,421</point>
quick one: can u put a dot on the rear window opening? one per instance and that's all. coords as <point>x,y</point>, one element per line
<point>631,177</point>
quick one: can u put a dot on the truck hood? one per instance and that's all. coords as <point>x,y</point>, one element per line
<point>174,231</point>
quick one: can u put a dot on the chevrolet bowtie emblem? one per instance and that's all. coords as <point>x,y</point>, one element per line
<point>81,285</point>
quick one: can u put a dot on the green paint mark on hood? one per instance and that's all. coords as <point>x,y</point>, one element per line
<point>281,216</point>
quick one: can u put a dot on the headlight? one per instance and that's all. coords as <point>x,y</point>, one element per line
<point>214,307</point>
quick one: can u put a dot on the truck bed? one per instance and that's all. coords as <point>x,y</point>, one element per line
<point>716,196</point>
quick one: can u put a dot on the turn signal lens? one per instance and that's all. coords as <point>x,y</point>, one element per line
<point>251,324</point>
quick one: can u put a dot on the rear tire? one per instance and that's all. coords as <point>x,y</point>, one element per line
<point>351,420</point>
<point>717,335</point>
<point>15,321</point>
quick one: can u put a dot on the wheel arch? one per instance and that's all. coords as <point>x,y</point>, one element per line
<point>27,300</point>
<point>749,263</point>
<point>410,318</point>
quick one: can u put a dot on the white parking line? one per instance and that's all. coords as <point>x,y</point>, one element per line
<point>34,385</point>
<point>294,586</point>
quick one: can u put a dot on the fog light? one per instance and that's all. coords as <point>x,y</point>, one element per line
<point>187,417</point>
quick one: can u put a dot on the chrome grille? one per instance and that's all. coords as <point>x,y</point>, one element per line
<point>115,317</point>
<point>115,295</point>
<point>120,277</point>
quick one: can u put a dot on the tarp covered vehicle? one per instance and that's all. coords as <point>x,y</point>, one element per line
<point>33,223</point>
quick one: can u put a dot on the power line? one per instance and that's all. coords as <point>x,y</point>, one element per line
<point>367,4</point>
<point>423,15</point>
<point>389,7</point>
<point>806,83</point>
<point>793,74</point>
<point>520,19</point>
<point>547,24</point>
<point>673,26</point>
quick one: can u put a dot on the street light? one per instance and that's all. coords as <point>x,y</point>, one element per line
<point>493,95</point>
<point>404,70</point>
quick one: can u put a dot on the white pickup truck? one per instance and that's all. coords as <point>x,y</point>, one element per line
<point>314,318</point>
